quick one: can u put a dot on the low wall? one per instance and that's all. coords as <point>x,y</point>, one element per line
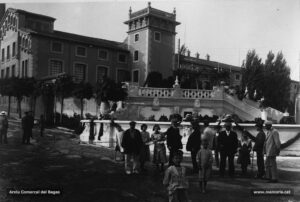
<point>286,132</point>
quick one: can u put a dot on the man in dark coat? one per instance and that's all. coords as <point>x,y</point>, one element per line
<point>173,139</point>
<point>228,144</point>
<point>259,140</point>
<point>26,126</point>
<point>193,144</point>
<point>132,144</point>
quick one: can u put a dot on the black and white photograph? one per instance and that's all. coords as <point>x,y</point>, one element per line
<point>150,101</point>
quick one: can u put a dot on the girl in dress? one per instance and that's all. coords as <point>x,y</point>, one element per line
<point>145,151</point>
<point>244,153</point>
<point>205,160</point>
<point>159,156</point>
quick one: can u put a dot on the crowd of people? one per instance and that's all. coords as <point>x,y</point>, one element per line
<point>206,144</point>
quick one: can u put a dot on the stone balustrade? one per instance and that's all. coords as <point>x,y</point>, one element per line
<point>170,93</point>
<point>155,92</point>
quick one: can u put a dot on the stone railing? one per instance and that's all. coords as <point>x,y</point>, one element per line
<point>197,94</point>
<point>155,92</point>
<point>173,93</point>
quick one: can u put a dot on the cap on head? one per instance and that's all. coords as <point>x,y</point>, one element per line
<point>228,124</point>
<point>3,113</point>
<point>156,126</point>
<point>132,123</point>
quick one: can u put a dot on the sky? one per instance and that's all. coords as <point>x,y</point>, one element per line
<point>224,29</point>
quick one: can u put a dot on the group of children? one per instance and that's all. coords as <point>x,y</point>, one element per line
<point>174,178</point>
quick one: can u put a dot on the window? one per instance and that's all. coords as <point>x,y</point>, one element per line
<point>123,75</point>
<point>8,52</point>
<point>13,70</point>
<point>14,49</point>
<point>23,71</point>
<point>7,72</point>
<point>103,54</point>
<point>101,71</point>
<point>136,56</point>
<point>135,76</point>
<point>2,73</point>
<point>122,58</point>
<point>136,37</point>
<point>157,36</point>
<point>3,54</point>
<point>80,51</point>
<point>57,47</point>
<point>26,68</point>
<point>237,77</point>
<point>79,72</point>
<point>56,67</point>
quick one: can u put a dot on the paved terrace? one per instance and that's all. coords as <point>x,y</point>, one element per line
<point>89,173</point>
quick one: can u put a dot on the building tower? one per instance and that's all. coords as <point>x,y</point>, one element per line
<point>151,42</point>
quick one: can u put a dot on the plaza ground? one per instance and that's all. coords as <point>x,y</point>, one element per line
<point>89,173</point>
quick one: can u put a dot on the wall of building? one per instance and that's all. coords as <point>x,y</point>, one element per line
<point>162,52</point>
<point>69,58</point>
<point>142,46</point>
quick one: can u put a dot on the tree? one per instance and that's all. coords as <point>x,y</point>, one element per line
<point>276,88</point>
<point>22,87</point>
<point>253,74</point>
<point>83,91</point>
<point>154,79</point>
<point>6,90</point>
<point>63,88</point>
<point>270,80</point>
<point>108,90</point>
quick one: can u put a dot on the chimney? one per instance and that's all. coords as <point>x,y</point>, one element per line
<point>2,10</point>
<point>189,53</point>
<point>197,55</point>
<point>207,57</point>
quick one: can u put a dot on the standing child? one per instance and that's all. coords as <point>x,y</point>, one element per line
<point>159,156</point>
<point>244,153</point>
<point>119,136</point>
<point>175,179</point>
<point>145,151</point>
<point>205,160</point>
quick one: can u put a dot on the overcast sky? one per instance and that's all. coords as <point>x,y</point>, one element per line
<point>224,29</point>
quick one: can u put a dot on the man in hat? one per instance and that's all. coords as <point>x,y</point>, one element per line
<point>3,127</point>
<point>271,149</point>
<point>193,144</point>
<point>173,138</point>
<point>259,140</point>
<point>228,144</point>
<point>27,129</point>
<point>132,143</point>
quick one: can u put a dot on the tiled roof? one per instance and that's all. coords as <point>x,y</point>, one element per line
<point>210,63</point>
<point>32,14</point>
<point>83,39</point>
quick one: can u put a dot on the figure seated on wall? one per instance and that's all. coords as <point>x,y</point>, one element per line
<point>163,118</point>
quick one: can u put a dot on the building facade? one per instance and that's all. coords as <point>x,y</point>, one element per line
<point>31,47</point>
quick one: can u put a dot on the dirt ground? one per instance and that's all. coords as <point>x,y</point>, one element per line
<point>88,173</point>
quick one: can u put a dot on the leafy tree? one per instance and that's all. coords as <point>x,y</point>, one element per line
<point>83,91</point>
<point>154,79</point>
<point>6,90</point>
<point>253,74</point>
<point>271,80</point>
<point>108,90</point>
<point>276,89</point>
<point>22,87</point>
<point>63,88</point>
